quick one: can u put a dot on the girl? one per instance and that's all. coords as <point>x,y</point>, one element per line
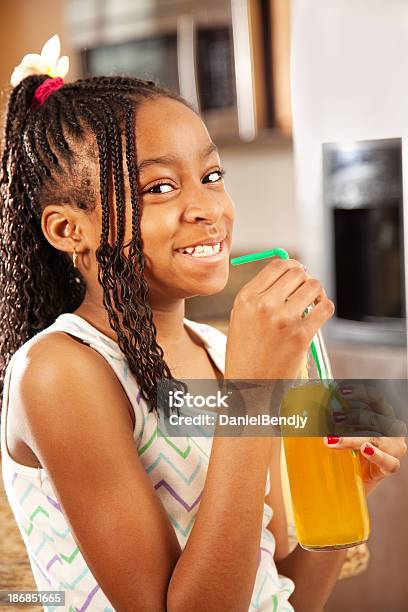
<point>105,183</point>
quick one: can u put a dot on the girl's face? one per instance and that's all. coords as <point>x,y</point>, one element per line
<point>183,202</point>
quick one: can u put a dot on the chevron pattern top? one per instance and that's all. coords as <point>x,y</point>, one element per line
<point>176,466</point>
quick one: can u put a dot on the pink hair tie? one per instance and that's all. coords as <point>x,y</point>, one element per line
<point>44,90</point>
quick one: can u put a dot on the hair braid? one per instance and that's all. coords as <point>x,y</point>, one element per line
<point>117,162</point>
<point>57,133</point>
<point>69,115</point>
<point>41,141</point>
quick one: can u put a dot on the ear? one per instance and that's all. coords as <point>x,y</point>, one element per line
<point>63,228</point>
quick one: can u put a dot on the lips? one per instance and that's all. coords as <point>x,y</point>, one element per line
<point>204,242</point>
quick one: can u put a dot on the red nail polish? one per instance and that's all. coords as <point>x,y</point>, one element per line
<point>368,450</point>
<point>333,439</point>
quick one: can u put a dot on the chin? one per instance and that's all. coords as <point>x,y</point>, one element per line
<point>209,287</point>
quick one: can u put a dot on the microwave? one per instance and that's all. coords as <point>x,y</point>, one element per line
<point>215,53</point>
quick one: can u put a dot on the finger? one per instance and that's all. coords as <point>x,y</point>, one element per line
<point>361,433</point>
<point>385,463</point>
<point>352,442</point>
<point>346,406</point>
<point>309,293</point>
<point>269,274</point>
<point>374,397</point>
<point>291,280</point>
<point>393,446</point>
<point>370,421</point>
<point>318,316</point>
<point>396,430</point>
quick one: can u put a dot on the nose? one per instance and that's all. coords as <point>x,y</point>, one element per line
<point>202,206</point>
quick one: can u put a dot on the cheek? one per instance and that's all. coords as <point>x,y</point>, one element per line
<point>157,232</point>
<point>230,209</point>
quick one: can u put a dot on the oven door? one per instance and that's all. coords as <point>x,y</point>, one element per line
<point>203,51</point>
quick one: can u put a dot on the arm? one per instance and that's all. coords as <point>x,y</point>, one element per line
<point>145,569</point>
<point>81,431</point>
<point>218,566</point>
<point>314,573</point>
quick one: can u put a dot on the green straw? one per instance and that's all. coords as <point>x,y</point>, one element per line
<point>236,261</point>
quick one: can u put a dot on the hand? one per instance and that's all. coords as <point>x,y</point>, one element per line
<point>366,412</point>
<point>379,456</point>
<point>268,336</point>
<point>379,435</point>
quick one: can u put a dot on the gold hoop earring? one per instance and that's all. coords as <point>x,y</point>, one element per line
<point>75,258</point>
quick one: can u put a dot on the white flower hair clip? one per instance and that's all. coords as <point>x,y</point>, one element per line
<point>48,62</point>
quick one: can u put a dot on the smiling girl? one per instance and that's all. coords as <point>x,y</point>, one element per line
<point>106,182</point>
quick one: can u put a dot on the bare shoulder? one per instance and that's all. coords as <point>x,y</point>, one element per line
<point>59,369</point>
<point>58,349</point>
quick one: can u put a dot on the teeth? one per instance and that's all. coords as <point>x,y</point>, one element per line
<point>203,250</point>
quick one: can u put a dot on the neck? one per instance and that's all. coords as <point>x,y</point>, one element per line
<point>169,321</point>
<point>168,318</point>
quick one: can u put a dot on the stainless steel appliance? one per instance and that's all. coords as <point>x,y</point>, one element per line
<point>364,204</point>
<point>216,53</point>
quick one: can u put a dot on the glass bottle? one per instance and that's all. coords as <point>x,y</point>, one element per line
<point>326,485</point>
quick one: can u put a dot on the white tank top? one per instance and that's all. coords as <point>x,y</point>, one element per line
<point>176,466</point>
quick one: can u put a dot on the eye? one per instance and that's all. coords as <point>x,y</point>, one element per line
<point>220,172</point>
<point>155,186</point>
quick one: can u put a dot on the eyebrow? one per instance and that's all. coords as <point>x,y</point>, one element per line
<point>172,159</point>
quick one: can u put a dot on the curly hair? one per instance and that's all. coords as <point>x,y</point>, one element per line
<point>46,156</point>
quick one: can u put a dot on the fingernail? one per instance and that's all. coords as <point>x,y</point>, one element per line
<point>368,450</point>
<point>333,439</point>
<point>346,390</point>
<point>339,416</point>
<point>304,267</point>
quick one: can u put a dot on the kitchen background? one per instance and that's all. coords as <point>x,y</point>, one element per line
<point>306,101</point>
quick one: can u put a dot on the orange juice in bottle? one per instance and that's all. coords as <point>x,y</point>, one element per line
<point>326,485</point>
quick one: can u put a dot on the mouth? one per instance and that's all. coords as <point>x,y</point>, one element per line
<point>204,253</point>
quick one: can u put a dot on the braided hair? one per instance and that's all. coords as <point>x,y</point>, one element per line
<point>43,161</point>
